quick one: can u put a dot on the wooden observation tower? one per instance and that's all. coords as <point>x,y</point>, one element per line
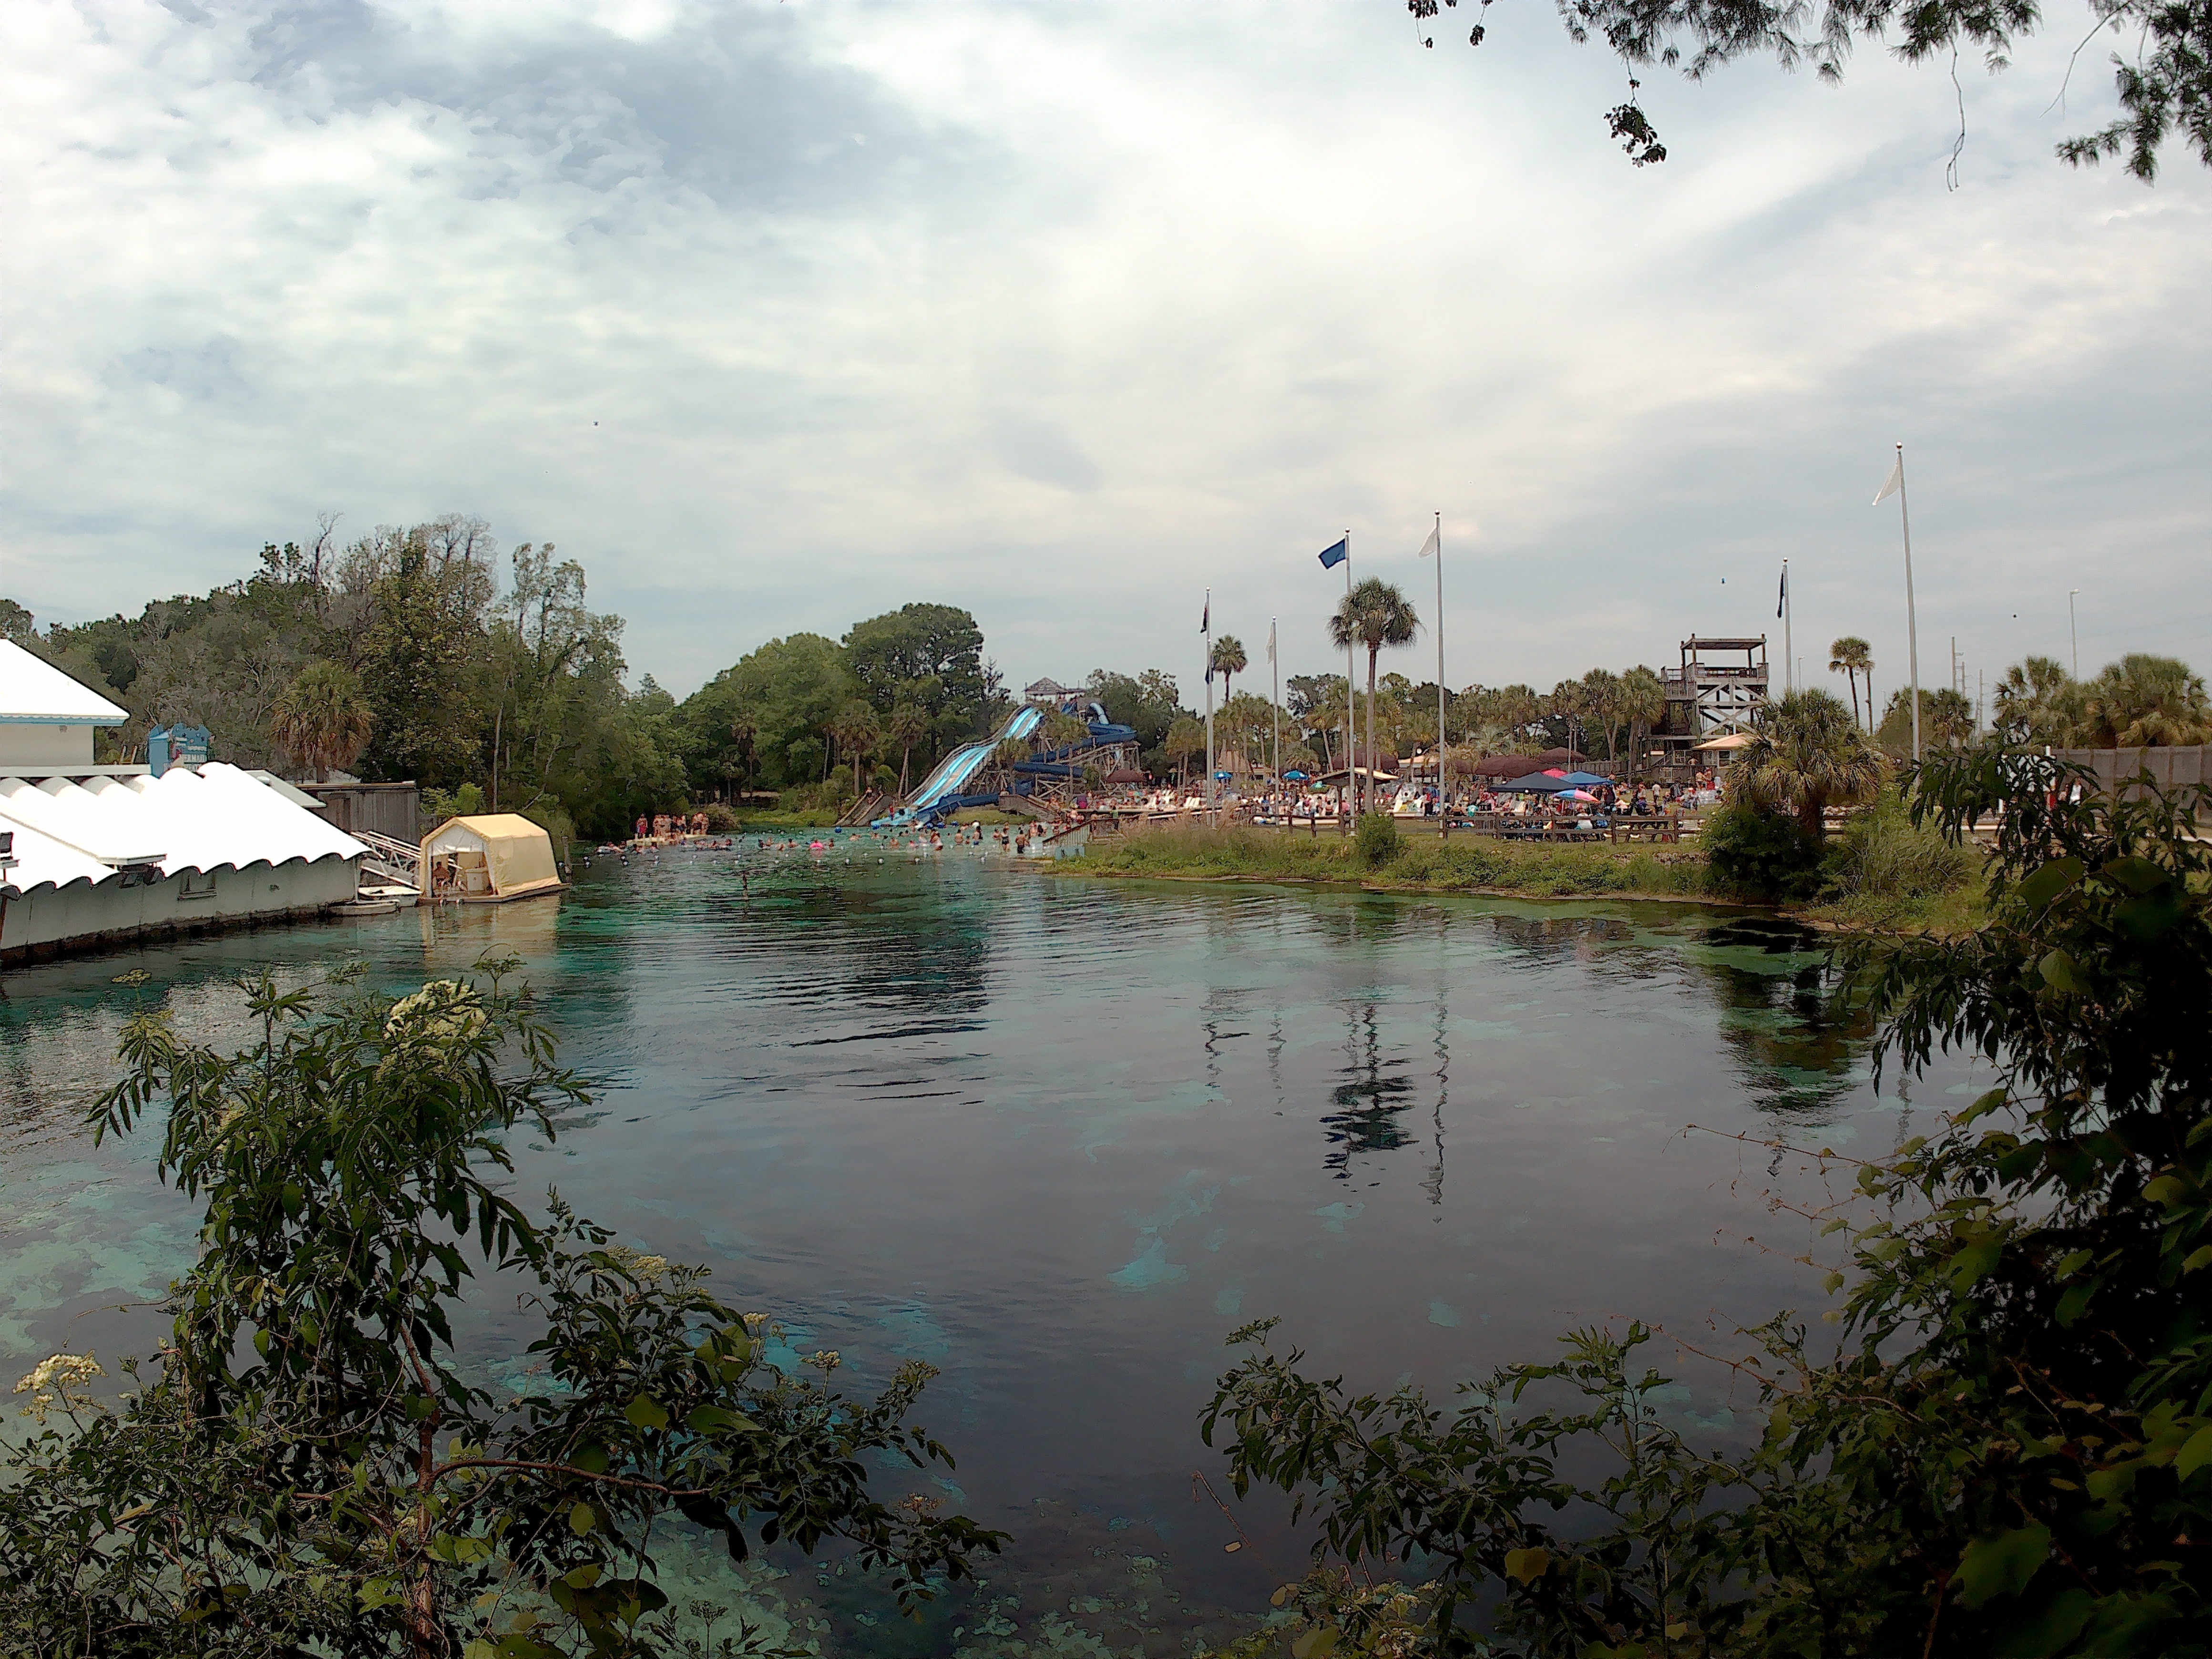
<point>1720,688</point>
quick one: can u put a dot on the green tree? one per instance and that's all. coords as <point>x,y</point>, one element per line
<point>1851,657</point>
<point>413,664</point>
<point>1185,738</point>
<point>908,725</point>
<point>1147,703</point>
<point>1946,721</point>
<point>1806,755</point>
<point>2004,1446</point>
<point>856,733</point>
<point>2037,702</point>
<point>1228,660</point>
<point>2164,84</point>
<point>1374,614</point>
<point>1603,700</point>
<point>787,691</point>
<point>931,655</point>
<point>322,720</point>
<point>309,1468</point>
<point>2144,700</point>
<point>1643,706</point>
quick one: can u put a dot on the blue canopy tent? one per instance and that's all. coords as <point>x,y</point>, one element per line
<point>1536,783</point>
<point>1585,780</point>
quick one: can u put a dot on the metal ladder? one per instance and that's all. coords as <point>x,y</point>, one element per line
<point>389,862</point>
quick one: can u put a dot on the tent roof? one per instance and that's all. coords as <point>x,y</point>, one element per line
<point>1535,783</point>
<point>215,818</point>
<point>1584,780</point>
<point>1732,740</point>
<point>33,691</point>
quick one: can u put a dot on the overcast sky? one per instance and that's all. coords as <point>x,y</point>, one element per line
<point>779,316</point>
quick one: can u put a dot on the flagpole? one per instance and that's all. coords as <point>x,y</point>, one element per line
<point>1912,615</point>
<point>1351,715</point>
<point>1275,709</point>
<point>1207,629</point>
<point>1443,805</point>
<point>1789,617</point>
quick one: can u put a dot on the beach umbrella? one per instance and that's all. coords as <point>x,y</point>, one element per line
<point>1536,783</point>
<point>1294,777</point>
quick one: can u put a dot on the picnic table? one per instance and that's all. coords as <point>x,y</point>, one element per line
<point>1651,826</point>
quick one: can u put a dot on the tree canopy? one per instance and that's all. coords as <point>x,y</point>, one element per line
<point>2164,84</point>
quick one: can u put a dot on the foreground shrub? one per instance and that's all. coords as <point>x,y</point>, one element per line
<point>2009,1450</point>
<point>1883,855</point>
<point>1759,853</point>
<point>307,1469</point>
<point>1375,841</point>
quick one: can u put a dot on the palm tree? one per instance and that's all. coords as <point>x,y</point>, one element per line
<point>856,733</point>
<point>1228,658</point>
<point>2143,701</point>
<point>909,725</point>
<point>1600,696</point>
<point>1851,656</point>
<point>1566,703</point>
<point>2037,702</point>
<point>1806,755</point>
<point>1643,705</point>
<point>322,720</point>
<point>1374,614</point>
<point>1185,737</point>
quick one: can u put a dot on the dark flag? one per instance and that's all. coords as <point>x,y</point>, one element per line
<point>1332,557</point>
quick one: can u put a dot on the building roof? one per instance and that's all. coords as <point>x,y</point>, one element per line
<point>215,818</point>
<point>33,691</point>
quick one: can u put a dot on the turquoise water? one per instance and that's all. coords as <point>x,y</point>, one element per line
<point>1056,1137</point>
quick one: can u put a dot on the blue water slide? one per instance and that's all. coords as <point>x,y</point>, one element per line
<point>954,770</point>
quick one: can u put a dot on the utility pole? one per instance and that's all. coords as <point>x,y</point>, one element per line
<point>2072,632</point>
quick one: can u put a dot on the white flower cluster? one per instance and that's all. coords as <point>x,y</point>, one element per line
<point>443,1014</point>
<point>60,1380</point>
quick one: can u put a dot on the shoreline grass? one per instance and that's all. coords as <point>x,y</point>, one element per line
<point>1482,866</point>
<point>1468,864</point>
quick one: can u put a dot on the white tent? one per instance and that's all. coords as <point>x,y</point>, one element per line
<point>488,859</point>
<point>115,857</point>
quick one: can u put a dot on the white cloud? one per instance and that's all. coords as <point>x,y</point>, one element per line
<point>1063,314</point>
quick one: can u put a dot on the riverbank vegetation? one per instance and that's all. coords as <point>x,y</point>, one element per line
<point>311,1464</point>
<point>2000,1441</point>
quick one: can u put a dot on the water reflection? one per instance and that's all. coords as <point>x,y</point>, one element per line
<point>1058,1137</point>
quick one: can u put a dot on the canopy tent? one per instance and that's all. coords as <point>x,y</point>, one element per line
<point>1731,741</point>
<point>1536,783</point>
<point>1128,774</point>
<point>489,860</point>
<point>1586,780</point>
<point>1500,766</point>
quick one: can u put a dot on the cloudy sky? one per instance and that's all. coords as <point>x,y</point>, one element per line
<point>776,316</point>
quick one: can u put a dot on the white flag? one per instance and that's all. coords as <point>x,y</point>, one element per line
<point>1434,543</point>
<point>1271,642</point>
<point>1892,484</point>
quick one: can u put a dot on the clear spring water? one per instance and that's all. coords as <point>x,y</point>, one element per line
<point>1057,1136</point>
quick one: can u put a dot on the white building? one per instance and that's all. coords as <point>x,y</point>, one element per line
<point>102,854</point>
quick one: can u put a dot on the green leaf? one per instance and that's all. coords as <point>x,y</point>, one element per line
<point>479,1649</point>
<point>2000,1564</point>
<point>2075,1302</point>
<point>2137,875</point>
<point>2194,1454</point>
<point>2047,883</point>
<point>581,1520</point>
<point>1526,1566</point>
<point>592,1460</point>
<point>1316,1643</point>
<point>1971,1263</point>
<point>2166,1189</point>
<point>2047,1630</point>
<point>582,1577</point>
<point>713,1420</point>
<point>646,1413</point>
<point>2199,1257</point>
<point>2062,973</point>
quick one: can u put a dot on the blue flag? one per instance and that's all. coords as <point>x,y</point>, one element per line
<point>1332,557</point>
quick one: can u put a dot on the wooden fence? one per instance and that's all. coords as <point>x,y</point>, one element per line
<point>2167,767</point>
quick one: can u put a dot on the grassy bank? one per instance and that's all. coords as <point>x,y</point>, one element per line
<point>1531,870</point>
<point>1464,864</point>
